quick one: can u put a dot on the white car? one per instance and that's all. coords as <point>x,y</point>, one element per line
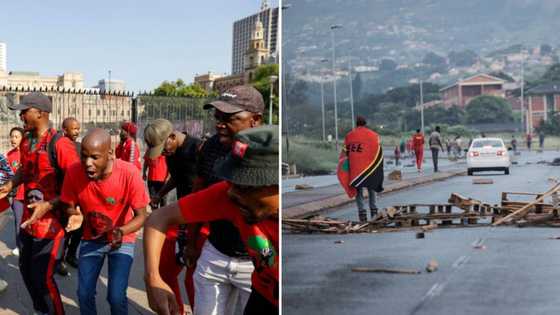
<point>488,154</point>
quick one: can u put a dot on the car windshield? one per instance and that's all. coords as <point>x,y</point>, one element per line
<point>487,143</point>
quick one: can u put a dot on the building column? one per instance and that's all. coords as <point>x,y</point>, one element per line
<point>530,115</point>
<point>545,102</point>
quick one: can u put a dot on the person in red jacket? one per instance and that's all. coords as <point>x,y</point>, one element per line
<point>418,147</point>
<point>128,149</point>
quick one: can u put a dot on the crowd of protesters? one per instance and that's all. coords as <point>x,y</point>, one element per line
<point>81,203</point>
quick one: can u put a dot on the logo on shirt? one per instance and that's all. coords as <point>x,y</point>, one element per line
<point>264,248</point>
<point>239,149</point>
<point>111,200</point>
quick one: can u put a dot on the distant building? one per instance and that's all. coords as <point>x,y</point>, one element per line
<point>541,101</point>
<point>111,85</point>
<point>3,58</point>
<point>462,92</point>
<point>224,83</point>
<point>243,31</point>
<point>33,80</point>
<point>206,81</point>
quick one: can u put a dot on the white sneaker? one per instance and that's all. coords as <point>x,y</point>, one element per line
<point>3,286</point>
<point>15,251</point>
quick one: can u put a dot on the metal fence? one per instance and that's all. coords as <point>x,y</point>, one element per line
<point>108,110</point>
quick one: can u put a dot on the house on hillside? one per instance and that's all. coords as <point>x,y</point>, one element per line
<point>463,91</point>
<point>541,101</point>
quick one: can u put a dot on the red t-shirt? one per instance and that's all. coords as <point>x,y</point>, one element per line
<point>261,239</point>
<point>157,168</point>
<point>39,174</point>
<point>14,158</point>
<point>106,203</point>
<point>130,152</point>
<point>418,141</point>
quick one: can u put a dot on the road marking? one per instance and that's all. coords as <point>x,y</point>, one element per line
<point>478,242</point>
<point>461,261</point>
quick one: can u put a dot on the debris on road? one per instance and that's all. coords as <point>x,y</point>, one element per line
<point>395,175</point>
<point>460,211</point>
<point>386,270</point>
<point>303,187</point>
<point>432,266</point>
<point>339,242</point>
<point>482,181</point>
<point>481,247</point>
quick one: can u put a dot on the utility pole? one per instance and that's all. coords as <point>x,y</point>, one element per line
<point>321,74</point>
<point>523,128</point>
<point>109,82</point>
<point>333,28</point>
<point>351,93</point>
<point>323,109</point>
<point>421,106</point>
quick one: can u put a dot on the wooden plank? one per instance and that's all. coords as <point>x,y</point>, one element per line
<point>386,270</point>
<point>525,209</point>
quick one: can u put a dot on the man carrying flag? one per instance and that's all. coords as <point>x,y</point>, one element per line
<point>361,166</point>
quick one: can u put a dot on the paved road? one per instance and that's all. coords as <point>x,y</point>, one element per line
<point>515,274</point>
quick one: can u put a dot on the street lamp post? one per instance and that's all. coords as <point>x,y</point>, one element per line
<point>323,102</point>
<point>272,80</point>
<point>284,88</point>
<point>333,28</point>
<point>351,92</point>
<point>421,106</point>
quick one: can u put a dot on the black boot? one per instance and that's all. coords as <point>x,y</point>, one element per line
<point>61,269</point>
<point>362,215</point>
<point>373,213</point>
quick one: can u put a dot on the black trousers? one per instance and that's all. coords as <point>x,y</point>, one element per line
<point>37,260</point>
<point>259,305</point>
<point>154,188</point>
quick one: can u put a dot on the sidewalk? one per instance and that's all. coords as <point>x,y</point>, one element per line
<point>304,203</point>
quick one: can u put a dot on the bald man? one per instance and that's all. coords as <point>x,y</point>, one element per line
<point>71,128</point>
<point>112,199</point>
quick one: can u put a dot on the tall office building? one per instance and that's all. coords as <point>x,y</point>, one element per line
<point>3,58</point>
<point>243,29</point>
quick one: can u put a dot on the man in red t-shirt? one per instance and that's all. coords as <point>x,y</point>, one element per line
<point>418,147</point>
<point>127,149</point>
<point>249,199</point>
<point>41,239</point>
<point>112,204</point>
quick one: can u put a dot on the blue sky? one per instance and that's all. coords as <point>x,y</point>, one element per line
<point>142,42</point>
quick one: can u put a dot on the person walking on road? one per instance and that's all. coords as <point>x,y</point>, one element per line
<point>514,144</point>
<point>541,139</point>
<point>362,166</point>
<point>529,141</point>
<point>418,147</point>
<point>435,145</point>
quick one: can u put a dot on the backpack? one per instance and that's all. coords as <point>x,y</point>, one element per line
<point>53,159</point>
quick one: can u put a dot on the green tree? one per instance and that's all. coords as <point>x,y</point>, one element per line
<point>178,88</point>
<point>552,74</point>
<point>261,81</point>
<point>434,60</point>
<point>465,58</point>
<point>488,109</point>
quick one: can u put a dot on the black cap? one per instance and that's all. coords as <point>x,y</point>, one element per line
<point>36,100</point>
<point>253,160</point>
<point>237,99</point>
